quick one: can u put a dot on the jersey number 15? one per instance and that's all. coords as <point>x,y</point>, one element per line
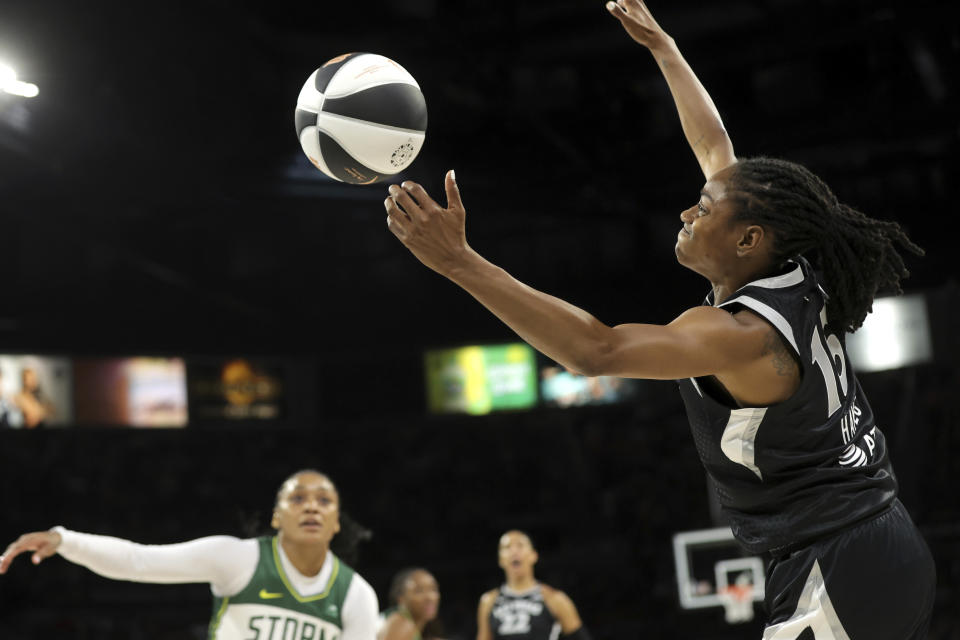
<point>832,365</point>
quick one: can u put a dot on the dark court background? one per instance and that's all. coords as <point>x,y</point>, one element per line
<point>154,201</point>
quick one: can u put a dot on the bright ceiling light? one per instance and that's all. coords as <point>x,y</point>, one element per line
<point>10,84</point>
<point>23,89</point>
<point>7,75</point>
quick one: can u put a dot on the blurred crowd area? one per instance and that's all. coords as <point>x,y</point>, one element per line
<point>601,490</point>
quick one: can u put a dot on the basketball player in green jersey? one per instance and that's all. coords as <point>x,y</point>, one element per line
<point>271,588</point>
<point>416,602</point>
<point>523,608</point>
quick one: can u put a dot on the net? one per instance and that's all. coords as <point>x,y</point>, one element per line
<point>737,600</point>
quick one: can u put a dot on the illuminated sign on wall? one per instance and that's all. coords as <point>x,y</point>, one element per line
<point>481,379</point>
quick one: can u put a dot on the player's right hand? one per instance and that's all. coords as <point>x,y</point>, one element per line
<point>43,544</point>
<point>638,22</point>
<point>434,234</point>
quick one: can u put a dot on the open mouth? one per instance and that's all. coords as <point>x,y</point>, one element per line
<point>311,524</point>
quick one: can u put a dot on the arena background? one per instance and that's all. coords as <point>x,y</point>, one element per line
<point>154,201</point>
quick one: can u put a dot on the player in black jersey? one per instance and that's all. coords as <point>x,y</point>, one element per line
<point>779,419</point>
<point>524,609</point>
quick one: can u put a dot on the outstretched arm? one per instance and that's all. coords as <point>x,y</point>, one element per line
<point>698,116</point>
<point>702,341</point>
<point>223,561</point>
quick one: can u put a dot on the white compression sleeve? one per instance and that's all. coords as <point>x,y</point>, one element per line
<point>360,611</point>
<point>227,563</point>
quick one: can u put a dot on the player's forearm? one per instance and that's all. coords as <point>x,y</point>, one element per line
<point>561,331</point>
<point>108,556</point>
<point>125,560</point>
<point>699,117</point>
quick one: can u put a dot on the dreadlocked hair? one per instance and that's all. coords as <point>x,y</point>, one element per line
<point>856,254</point>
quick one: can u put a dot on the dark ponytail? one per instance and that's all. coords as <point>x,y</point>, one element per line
<point>346,544</point>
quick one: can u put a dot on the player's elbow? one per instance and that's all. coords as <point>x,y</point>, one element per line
<point>595,360</point>
<point>586,367</point>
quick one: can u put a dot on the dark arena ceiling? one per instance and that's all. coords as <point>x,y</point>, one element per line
<point>154,197</point>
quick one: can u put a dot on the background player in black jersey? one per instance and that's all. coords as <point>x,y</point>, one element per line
<point>290,585</point>
<point>778,417</point>
<point>414,604</point>
<point>524,609</point>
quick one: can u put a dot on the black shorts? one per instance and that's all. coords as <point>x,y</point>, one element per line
<point>873,581</point>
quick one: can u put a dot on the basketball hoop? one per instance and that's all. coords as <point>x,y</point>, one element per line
<point>737,600</point>
<point>712,571</point>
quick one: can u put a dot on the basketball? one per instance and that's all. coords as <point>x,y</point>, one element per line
<point>361,118</point>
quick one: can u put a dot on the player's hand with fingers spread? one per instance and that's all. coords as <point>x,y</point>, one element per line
<point>435,235</point>
<point>638,22</point>
<point>43,544</point>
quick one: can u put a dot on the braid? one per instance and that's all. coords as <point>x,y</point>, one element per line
<point>857,254</point>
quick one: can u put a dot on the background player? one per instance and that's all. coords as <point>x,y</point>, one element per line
<point>415,599</point>
<point>524,609</point>
<point>288,585</point>
<point>780,421</point>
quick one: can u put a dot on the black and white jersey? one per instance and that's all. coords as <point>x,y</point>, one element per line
<point>805,467</point>
<point>522,615</point>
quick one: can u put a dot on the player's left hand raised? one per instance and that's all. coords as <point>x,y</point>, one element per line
<point>435,235</point>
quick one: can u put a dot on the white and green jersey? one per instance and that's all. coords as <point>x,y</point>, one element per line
<point>270,608</point>
<point>258,593</point>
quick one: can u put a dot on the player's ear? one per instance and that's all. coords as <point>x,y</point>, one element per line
<point>751,240</point>
<point>275,520</point>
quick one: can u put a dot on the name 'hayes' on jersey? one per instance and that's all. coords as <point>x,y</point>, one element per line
<point>803,468</point>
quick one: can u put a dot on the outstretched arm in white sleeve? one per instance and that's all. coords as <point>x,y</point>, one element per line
<point>225,562</point>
